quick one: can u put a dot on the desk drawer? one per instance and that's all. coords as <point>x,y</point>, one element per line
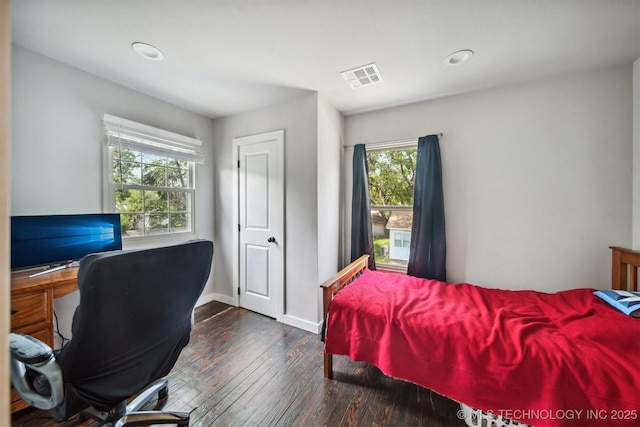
<point>29,308</point>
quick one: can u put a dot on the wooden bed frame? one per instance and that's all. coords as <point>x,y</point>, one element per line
<point>330,288</point>
<point>624,268</point>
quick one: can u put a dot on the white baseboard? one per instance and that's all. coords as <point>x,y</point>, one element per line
<point>302,324</point>
<point>287,319</point>
<point>216,297</point>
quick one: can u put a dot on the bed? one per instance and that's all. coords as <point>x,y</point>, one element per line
<point>542,359</point>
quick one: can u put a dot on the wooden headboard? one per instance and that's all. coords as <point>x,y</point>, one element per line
<point>331,287</point>
<point>624,268</point>
<point>341,279</point>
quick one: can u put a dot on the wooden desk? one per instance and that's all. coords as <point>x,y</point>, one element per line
<point>32,307</point>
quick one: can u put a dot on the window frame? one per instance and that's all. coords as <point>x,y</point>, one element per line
<point>110,187</point>
<point>391,146</point>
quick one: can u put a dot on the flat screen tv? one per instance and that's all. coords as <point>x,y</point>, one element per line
<point>39,240</point>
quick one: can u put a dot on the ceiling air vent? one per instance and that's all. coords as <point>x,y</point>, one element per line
<point>362,76</point>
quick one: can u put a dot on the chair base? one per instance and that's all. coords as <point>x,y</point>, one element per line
<point>133,416</point>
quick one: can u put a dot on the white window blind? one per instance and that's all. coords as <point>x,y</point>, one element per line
<point>125,133</point>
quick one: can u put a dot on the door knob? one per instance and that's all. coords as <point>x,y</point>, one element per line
<point>271,239</point>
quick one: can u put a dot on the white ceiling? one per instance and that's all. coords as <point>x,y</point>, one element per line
<point>227,57</point>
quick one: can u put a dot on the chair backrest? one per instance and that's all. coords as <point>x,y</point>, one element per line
<point>133,320</point>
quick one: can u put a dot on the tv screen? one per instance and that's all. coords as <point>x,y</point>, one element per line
<point>54,239</point>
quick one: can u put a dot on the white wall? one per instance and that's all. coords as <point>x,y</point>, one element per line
<point>636,155</point>
<point>330,131</point>
<point>56,148</point>
<point>298,118</point>
<point>537,177</point>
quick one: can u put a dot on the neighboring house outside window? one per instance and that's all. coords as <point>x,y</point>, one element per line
<point>399,226</point>
<point>391,175</point>
<point>149,179</point>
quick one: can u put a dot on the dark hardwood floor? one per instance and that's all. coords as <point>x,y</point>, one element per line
<point>244,369</point>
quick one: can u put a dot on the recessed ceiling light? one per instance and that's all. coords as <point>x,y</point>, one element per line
<point>364,75</point>
<point>147,51</point>
<point>459,57</point>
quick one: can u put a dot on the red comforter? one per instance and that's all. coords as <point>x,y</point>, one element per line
<point>545,359</point>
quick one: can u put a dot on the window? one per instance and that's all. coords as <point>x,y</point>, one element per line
<point>149,179</point>
<point>391,176</point>
<point>402,240</point>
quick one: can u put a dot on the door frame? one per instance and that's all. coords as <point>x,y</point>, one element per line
<point>278,136</point>
<point>5,199</point>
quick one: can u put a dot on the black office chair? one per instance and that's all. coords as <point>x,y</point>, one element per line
<point>133,320</point>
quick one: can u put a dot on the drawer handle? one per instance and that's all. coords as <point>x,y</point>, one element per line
<point>14,312</point>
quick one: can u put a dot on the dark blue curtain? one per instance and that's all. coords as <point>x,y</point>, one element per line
<point>427,256</point>
<point>361,231</point>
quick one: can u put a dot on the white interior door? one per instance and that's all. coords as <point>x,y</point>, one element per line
<point>260,213</point>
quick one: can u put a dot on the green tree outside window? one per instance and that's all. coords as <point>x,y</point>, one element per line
<point>150,198</point>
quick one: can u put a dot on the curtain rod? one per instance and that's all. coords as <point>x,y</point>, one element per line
<point>398,141</point>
